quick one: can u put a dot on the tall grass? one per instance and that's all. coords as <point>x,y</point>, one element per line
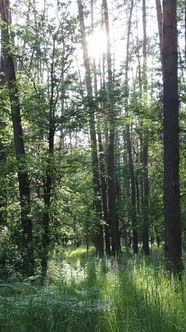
<point>84,294</point>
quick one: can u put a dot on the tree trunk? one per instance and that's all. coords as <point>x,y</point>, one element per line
<point>23,178</point>
<point>160,28</point>
<point>129,147</point>
<point>146,248</point>
<point>104,194</point>
<point>3,197</point>
<point>111,148</point>
<point>49,170</point>
<point>3,156</point>
<point>173,243</point>
<point>102,173</point>
<point>46,214</point>
<point>185,31</point>
<point>145,141</point>
<point>95,165</point>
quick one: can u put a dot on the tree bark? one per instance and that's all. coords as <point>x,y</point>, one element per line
<point>185,31</point>
<point>92,126</point>
<point>145,141</point>
<point>47,203</point>
<point>49,177</point>
<point>129,147</point>
<point>160,28</point>
<point>48,180</point>
<point>173,243</point>
<point>3,156</point>
<point>111,148</point>
<point>3,196</point>
<point>23,178</point>
<point>101,159</point>
<point>104,193</point>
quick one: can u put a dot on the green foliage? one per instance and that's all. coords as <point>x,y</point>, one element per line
<point>86,295</point>
<point>53,97</point>
<point>10,258</point>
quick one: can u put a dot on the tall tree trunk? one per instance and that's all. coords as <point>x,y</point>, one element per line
<point>111,148</point>
<point>160,28</point>
<point>102,173</point>
<point>3,156</point>
<point>95,165</point>
<point>185,31</point>
<point>129,147</point>
<point>3,197</point>
<point>103,169</point>
<point>146,199</point>
<point>104,192</point>
<point>145,141</point>
<point>47,203</point>
<point>173,243</point>
<point>49,167</point>
<point>23,178</point>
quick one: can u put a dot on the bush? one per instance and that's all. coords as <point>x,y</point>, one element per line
<point>10,258</point>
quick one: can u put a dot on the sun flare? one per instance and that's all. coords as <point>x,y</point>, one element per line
<point>97,44</point>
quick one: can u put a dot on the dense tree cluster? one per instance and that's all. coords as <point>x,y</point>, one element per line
<point>92,129</point>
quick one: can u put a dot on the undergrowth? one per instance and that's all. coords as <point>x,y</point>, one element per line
<point>85,294</point>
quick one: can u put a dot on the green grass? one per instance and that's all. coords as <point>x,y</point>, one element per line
<point>84,294</point>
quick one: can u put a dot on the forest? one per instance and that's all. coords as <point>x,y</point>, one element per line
<point>92,165</point>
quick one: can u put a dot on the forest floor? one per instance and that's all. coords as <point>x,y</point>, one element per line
<point>84,293</point>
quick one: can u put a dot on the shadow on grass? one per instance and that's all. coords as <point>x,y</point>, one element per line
<point>64,307</point>
<point>135,313</point>
<point>102,301</point>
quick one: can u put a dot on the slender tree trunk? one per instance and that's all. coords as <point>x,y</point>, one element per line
<point>104,193</point>
<point>129,147</point>
<point>133,194</point>
<point>118,183</point>
<point>3,196</point>
<point>160,28</point>
<point>173,243</point>
<point>102,173</point>
<point>23,178</point>
<point>146,199</point>
<point>111,148</point>
<point>92,125</point>
<point>145,141</point>
<point>185,31</point>
<point>3,157</point>
<point>49,170</point>
<point>125,187</point>
<point>47,202</point>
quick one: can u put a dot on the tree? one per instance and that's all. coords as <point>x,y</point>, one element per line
<point>3,156</point>
<point>160,28</point>
<point>173,243</point>
<point>129,146</point>
<point>101,153</point>
<point>93,140</point>
<point>111,144</point>
<point>145,141</point>
<point>23,177</point>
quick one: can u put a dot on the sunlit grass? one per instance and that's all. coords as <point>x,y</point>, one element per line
<point>84,294</point>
